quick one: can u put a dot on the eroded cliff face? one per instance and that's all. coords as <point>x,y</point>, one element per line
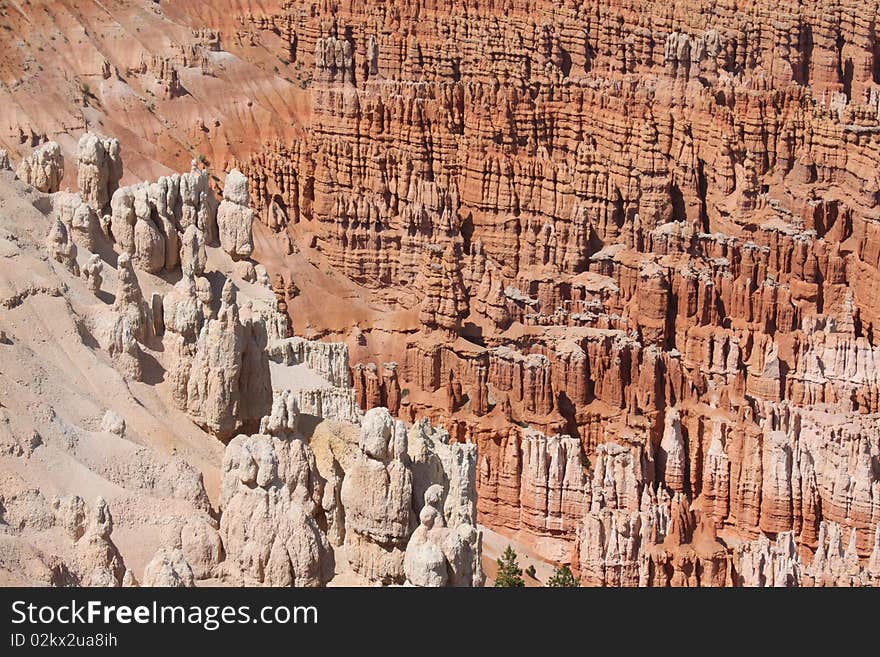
<point>183,402</point>
<point>606,237</point>
<point>614,223</point>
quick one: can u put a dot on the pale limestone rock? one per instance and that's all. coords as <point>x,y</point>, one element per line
<point>834,565</point>
<point>386,460</point>
<point>61,248</point>
<point>70,514</point>
<point>463,549</point>
<point>235,218</point>
<point>124,349</point>
<point>672,455</point>
<point>873,567</point>
<point>284,416</point>
<point>183,318</point>
<point>193,257</point>
<point>99,169</point>
<point>424,562</point>
<point>235,189</point>
<point>113,423</point>
<point>763,562</point>
<point>377,497</point>
<point>85,227</point>
<point>617,477</point>
<point>255,382</point>
<point>151,220</point>
<point>336,403</point>
<point>437,555</point>
<point>80,219</point>
<point>201,546</point>
<point>245,271</point>
<point>214,386</point>
<point>96,560</point>
<point>92,272</point>
<point>624,522</point>
<point>129,302</point>
<point>129,324</point>
<point>44,168</point>
<point>165,201</point>
<point>262,276</point>
<point>270,499</point>
<point>235,225</point>
<point>329,359</point>
<point>553,485</point>
<point>149,241</point>
<point>435,460</point>
<point>168,568</point>
<point>198,203</point>
<point>123,218</point>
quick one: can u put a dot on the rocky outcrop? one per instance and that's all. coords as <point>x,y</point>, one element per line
<point>445,302</point>
<point>235,218</point>
<point>270,501</point>
<point>43,168</point>
<point>291,506</point>
<point>168,569</point>
<point>165,224</point>
<point>630,223</point>
<point>92,271</point>
<point>386,478</point>
<point>61,247</point>
<point>661,228</point>
<point>377,496</point>
<point>329,359</point>
<point>633,535</point>
<point>98,169</point>
<point>437,555</point>
<point>80,219</point>
<point>213,390</point>
<point>96,561</point>
<point>129,302</point>
<point>183,318</point>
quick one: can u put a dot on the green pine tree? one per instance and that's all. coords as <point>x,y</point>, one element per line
<point>509,572</point>
<point>563,577</point>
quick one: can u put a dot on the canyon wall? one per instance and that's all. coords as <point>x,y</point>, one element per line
<point>618,222</point>
<point>566,232</point>
<point>230,451</point>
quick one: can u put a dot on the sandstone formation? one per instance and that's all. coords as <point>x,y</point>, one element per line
<point>271,495</point>
<point>627,225</point>
<point>97,561</point>
<point>91,271</point>
<point>377,496</point>
<point>623,253</point>
<point>213,393</point>
<point>168,568</point>
<point>235,218</point>
<point>61,247</point>
<point>437,555</point>
<point>175,371</point>
<point>99,169</point>
<point>43,168</point>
